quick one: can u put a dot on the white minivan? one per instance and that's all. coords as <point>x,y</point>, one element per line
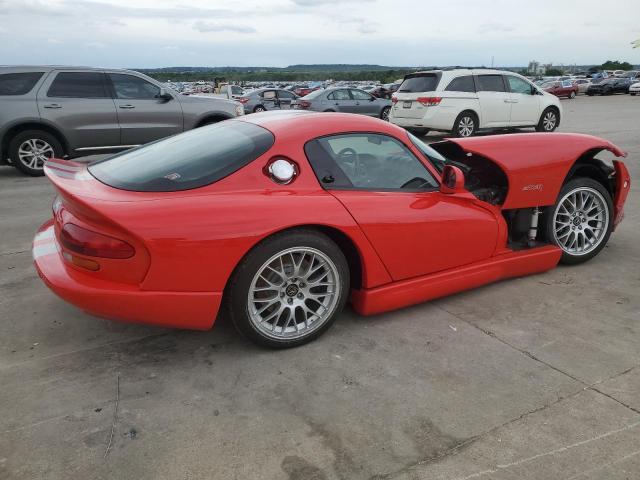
<point>464,101</point>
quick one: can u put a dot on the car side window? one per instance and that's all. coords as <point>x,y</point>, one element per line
<point>490,83</point>
<point>269,95</point>
<point>360,95</point>
<point>367,161</point>
<point>79,85</point>
<point>18,83</point>
<point>131,87</point>
<point>339,95</point>
<point>517,85</point>
<point>462,84</point>
<point>285,94</point>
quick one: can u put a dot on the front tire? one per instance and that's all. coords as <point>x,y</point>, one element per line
<point>581,221</point>
<point>572,95</point>
<point>29,150</point>
<point>419,132</point>
<point>549,120</point>
<point>259,109</point>
<point>289,289</point>
<point>466,125</point>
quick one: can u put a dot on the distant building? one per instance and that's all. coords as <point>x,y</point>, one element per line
<point>535,68</point>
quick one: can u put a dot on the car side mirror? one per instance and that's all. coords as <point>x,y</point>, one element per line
<point>452,180</point>
<point>164,95</point>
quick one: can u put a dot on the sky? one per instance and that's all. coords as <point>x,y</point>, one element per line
<point>277,33</point>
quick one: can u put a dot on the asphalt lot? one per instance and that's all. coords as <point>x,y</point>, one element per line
<point>534,378</point>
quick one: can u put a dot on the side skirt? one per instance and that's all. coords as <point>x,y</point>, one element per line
<point>421,289</point>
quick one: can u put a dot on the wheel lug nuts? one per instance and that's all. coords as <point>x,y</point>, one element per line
<point>290,300</point>
<point>584,220</point>
<point>300,296</point>
<point>302,285</point>
<point>282,294</point>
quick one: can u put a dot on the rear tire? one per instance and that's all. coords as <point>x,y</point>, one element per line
<point>259,109</point>
<point>466,125</point>
<point>29,150</point>
<point>549,120</point>
<point>572,95</point>
<point>384,115</point>
<point>583,213</point>
<point>289,289</point>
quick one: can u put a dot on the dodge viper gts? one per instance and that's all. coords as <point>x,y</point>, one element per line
<point>279,218</point>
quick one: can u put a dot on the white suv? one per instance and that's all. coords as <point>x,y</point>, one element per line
<point>463,101</point>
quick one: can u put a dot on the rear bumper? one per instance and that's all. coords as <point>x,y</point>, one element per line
<point>118,301</point>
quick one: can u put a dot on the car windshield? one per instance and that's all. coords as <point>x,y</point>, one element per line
<point>434,157</point>
<point>189,160</point>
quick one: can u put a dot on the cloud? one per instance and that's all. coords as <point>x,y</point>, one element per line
<point>95,45</point>
<point>205,27</point>
<point>489,27</point>
<point>54,41</point>
<point>315,3</point>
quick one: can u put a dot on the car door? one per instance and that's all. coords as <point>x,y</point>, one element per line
<point>495,101</point>
<point>341,101</point>
<point>270,100</point>
<point>285,98</point>
<point>365,103</point>
<point>143,115</point>
<point>395,198</point>
<point>525,103</point>
<point>80,105</point>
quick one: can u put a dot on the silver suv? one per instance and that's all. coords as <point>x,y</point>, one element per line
<point>69,112</point>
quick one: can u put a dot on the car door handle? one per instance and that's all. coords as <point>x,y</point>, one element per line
<point>52,105</point>
<point>127,106</point>
<point>506,100</point>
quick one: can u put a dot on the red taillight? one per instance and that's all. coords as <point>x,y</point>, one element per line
<point>243,100</point>
<point>394,99</point>
<point>304,104</point>
<point>430,101</point>
<point>93,244</point>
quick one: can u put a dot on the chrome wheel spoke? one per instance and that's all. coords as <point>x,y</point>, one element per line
<point>293,293</point>
<point>580,221</point>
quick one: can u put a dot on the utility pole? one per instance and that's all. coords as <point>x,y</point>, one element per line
<point>492,61</point>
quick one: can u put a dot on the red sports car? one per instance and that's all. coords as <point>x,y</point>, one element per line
<point>283,217</point>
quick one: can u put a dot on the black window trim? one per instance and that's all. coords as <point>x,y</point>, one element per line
<point>325,186</point>
<point>105,84</point>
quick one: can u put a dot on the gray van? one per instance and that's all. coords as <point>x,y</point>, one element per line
<point>66,112</point>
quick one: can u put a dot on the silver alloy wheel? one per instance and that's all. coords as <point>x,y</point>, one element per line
<point>385,114</point>
<point>293,293</point>
<point>549,121</point>
<point>580,221</point>
<point>260,109</point>
<point>34,152</point>
<point>466,126</point>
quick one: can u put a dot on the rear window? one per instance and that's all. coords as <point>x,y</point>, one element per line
<point>189,160</point>
<point>18,83</point>
<point>424,82</point>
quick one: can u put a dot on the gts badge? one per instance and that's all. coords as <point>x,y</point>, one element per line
<point>533,187</point>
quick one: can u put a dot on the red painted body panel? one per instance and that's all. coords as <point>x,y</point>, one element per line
<point>536,164</point>
<point>419,233</point>
<point>120,301</point>
<point>412,246</point>
<point>429,287</point>
<point>623,185</point>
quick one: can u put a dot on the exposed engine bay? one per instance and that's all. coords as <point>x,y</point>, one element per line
<point>482,177</point>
